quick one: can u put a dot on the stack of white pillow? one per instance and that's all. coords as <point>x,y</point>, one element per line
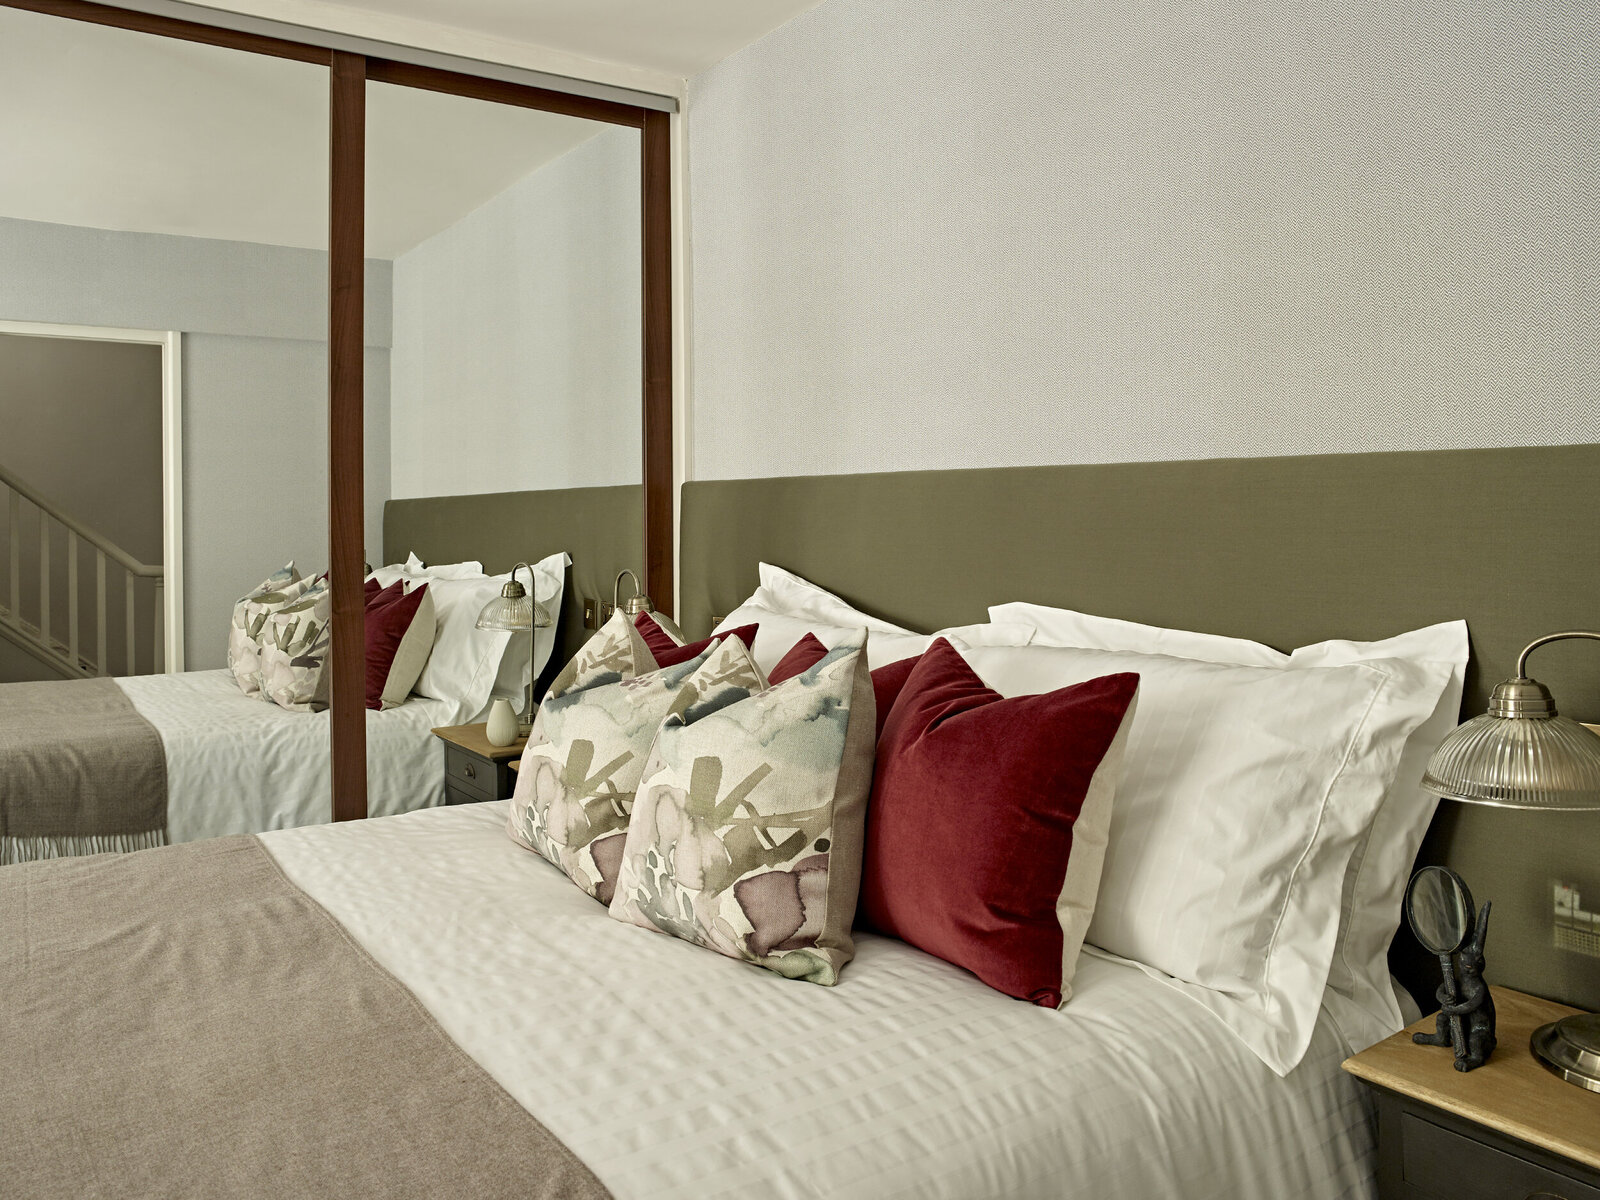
<point>1259,844</point>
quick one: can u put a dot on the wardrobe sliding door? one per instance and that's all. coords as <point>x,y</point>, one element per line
<point>334,246</point>
<point>511,242</point>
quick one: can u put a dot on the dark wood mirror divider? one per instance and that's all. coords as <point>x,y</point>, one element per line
<point>349,73</point>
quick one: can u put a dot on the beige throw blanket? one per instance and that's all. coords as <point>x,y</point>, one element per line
<point>80,771</point>
<point>187,1022</point>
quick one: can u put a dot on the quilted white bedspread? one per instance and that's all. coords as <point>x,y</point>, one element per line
<point>236,764</point>
<point>674,1072</point>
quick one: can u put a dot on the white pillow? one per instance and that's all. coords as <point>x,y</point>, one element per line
<point>514,676</point>
<point>1361,996</point>
<point>1246,791</point>
<point>787,607</point>
<point>470,569</point>
<point>465,663</point>
<point>412,568</point>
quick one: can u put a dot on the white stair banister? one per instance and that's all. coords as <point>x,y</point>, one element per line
<point>38,638</point>
<point>14,542</point>
<point>72,596</point>
<point>101,662</point>
<point>44,577</point>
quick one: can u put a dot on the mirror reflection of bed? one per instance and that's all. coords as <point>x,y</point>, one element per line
<point>169,683</point>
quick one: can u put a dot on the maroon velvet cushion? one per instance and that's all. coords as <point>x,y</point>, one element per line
<point>389,615</point>
<point>657,638</point>
<point>802,656</point>
<point>888,681</point>
<point>373,588</point>
<point>970,824</point>
<point>673,654</point>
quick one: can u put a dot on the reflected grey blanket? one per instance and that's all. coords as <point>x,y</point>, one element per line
<point>188,1022</point>
<point>80,771</point>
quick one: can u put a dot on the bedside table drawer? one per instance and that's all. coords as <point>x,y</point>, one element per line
<point>465,772</point>
<point>1437,1162</point>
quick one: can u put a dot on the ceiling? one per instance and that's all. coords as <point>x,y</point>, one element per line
<point>110,129</point>
<point>678,37</point>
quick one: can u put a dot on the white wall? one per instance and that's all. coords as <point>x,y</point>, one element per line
<point>997,232</point>
<point>516,356</point>
<point>255,385</point>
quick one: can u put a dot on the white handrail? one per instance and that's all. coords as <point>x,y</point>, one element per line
<point>99,541</point>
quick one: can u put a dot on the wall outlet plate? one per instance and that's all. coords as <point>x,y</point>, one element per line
<point>606,610</point>
<point>591,613</point>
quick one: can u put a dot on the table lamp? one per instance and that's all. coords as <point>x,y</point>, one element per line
<point>516,611</point>
<point>1523,754</point>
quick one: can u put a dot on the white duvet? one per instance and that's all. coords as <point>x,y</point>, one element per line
<point>674,1072</point>
<point>236,764</point>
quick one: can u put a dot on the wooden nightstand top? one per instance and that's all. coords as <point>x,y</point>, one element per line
<point>1512,1093</point>
<point>473,738</point>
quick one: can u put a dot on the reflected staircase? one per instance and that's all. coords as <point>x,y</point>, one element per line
<point>31,618</point>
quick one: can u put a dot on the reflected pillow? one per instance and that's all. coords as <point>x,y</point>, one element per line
<point>294,650</point>
<point>400,629</point>
<point>249,615</point>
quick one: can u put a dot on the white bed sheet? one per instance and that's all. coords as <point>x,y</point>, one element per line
<point>236,764</point>
<point>674,1072</point>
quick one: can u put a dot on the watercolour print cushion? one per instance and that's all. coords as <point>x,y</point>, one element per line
<point>747,827</point>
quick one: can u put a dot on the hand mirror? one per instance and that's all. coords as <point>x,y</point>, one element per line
<point>1439,909</point>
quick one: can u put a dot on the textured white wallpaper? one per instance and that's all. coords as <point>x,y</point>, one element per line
<point>1008,232</point>
<point>516,355</point>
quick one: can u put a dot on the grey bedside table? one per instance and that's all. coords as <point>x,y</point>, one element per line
<point>1510,1130</point>
<point>474,770</point>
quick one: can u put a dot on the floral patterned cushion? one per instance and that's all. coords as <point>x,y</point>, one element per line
<point>294,647</point>
<point>580,768</point>
<point>618,651</point>
<point>249,615</point>
<point>746,835</point>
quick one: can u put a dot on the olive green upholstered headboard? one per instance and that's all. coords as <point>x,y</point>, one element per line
<point>1286,551</point>
<point>601,528</point>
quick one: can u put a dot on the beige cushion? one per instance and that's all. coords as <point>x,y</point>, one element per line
<point>412,653</point>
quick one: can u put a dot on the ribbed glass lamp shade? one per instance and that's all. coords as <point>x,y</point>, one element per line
<point>1540,762</point>
<point>515,610</point>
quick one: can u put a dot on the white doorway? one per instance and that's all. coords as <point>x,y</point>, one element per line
<point>88,638</point>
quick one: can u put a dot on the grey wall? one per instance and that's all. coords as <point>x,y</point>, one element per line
<point>517,357</point>
<point>1010,232</point>
<point>80,423</point>
<point>254,320</point>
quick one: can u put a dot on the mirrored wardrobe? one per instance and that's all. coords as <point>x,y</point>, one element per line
<point>264,300</point>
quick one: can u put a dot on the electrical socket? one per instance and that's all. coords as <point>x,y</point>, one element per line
<point>606,610</point>
<point>1576,928</point>
<point>591,613</point>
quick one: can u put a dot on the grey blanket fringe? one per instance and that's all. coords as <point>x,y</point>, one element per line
<point>32,849</point>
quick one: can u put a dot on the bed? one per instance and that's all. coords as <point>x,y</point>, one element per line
<point>671,1072</point>
<point>417,1005</point>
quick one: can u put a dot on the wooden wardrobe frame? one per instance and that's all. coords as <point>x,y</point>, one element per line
<point>348,76</point>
